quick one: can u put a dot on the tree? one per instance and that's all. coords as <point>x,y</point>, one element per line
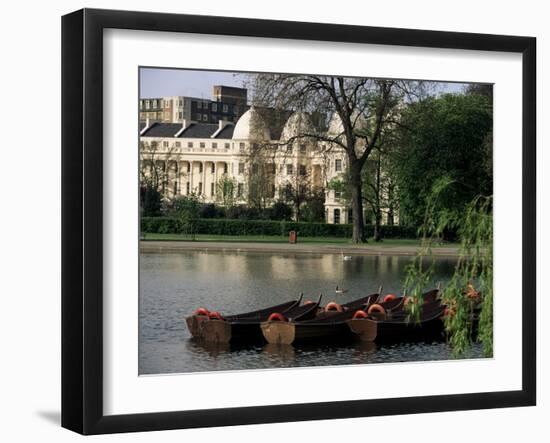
<point>225,191</point>
<point>360,109</point>
<point>150,200</point>
<point>280,211</point>
<point>446,135</point>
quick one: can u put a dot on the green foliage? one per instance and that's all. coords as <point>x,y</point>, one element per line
<point>448,135</point>
<point>469,293</point>
<point>280,211</point>
<point>173,225</point>
<point>150,200</point>
<point>186,211</point>
<point>314,209</point>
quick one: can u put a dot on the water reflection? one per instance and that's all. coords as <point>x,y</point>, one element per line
<point>173,285</point>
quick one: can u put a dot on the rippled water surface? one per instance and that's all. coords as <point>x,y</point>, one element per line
<point>173,285</point>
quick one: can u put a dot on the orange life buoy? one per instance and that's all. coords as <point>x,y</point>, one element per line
<point>360,314</point>
<point>376,308</point>
<point>276,316</point>
<point>215,315</point>
<point>333,306</point>
<point>389,297</point>
<point>202,312</point>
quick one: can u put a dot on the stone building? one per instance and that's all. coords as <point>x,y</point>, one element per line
<point>201,158</point>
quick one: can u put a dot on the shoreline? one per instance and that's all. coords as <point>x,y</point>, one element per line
<point>357,250</point>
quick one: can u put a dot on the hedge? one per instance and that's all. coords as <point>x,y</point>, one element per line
<point>171,225</point>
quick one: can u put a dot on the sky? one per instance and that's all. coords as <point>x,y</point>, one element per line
<point>160,82</point>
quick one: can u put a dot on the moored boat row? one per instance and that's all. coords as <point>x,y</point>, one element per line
<point>369,318</point>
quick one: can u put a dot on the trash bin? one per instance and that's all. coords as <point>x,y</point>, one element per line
<point>292,237</point>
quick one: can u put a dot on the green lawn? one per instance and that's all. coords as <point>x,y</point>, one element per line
<point>278,239</point>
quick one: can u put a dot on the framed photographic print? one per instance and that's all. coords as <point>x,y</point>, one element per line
<point>270,221</point>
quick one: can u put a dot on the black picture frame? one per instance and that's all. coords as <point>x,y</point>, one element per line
<point>82,218</point>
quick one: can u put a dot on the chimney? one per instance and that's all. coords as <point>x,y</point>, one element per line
<point>146,127</point>
<point>183,128</point>
<point>221,125</point>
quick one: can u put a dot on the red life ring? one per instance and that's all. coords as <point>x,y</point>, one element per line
<point>215,315</point>
<point>360,314</point>
<point>202,312</point>
<point>333,306</point>
<point>276,316</point>
<point>390,297</point>
<point>376,308</point>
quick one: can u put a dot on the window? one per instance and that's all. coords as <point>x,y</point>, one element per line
<point>270,168</point>
<point>303,148</point>
<point>180,115</point>
<point>337,194</point>
<point>212,189</point>
<point>213,169</point>
<point>241,146</point>
<point>255,168</point>
<point>289,148</point>
<point>188,167</point>
<point>199,105</point>
<point>225,168</point>
<point>289,169</point>
<point>302,170</point>
<point>175,188</point>
<point>187,188</point>
<point>189,144</point>
<point>255,146</point>
<point>227,145</point>
<point>241,168</point>
<point>338,165</point>
<point>178,144</point>
<point>155,104</point>
<point>225,108</point>
<point>202,144</point>
<point>199,116</point>
<point>147,104</point>
<point>204,117</point>
<point>240,188</point>
<point>165,144</point>
<point>200,168</point>
<point>337,216</point>
<point>214,146</point>
<point>200,188</point>
<point>214,107</point>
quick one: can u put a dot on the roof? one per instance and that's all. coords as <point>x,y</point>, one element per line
<point>194,130</point>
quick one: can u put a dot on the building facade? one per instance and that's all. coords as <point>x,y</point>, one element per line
<point>228,104</point>
<point>244,158</point>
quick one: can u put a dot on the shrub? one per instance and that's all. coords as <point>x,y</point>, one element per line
<point>172,225</point>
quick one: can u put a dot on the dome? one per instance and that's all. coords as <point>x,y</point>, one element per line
<point>298,123</point>
<point>251,127</point>
<point>335,126</point>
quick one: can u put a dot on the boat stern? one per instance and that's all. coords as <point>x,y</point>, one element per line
<point>365,328</point>
<point>278,332</point>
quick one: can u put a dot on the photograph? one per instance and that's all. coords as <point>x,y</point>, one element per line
<point>300,220</point>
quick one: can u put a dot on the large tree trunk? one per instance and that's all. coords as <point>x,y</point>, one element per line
<point>358,233</point>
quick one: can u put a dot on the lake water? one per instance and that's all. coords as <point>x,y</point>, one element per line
<point>173,285</point>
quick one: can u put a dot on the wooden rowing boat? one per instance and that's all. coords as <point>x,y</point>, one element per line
<point>247,329</point>
<point>201,315</point>
<point>399,327</point>
<point>333,326</point>
<point>327,325</point>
